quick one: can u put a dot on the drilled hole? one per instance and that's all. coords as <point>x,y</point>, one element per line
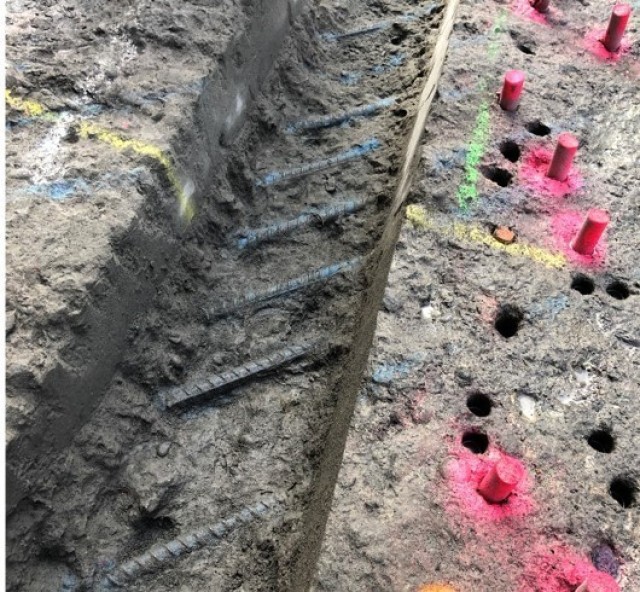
<point>510,150</point>
<point>583,284</point>
<point>477,442</point>
<point>508,320</point>
<point>618,290</point>
<point>623,490</point>
<point>479,404</point>
<point>498,175</point>
<point>602,441</point>
<point>524,48</point>
<point>538,128</point>
<point>400,112</point>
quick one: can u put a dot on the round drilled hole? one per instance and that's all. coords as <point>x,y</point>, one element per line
<point>508,320</point>
<point>526,48</point>
<point>583,284</point>
<point>498,175</point>
<point>400,112</point>
<point>618,290</point>
<point>479,404</point>
<point>537,128</point>
<point>623,490</point>
<point>477,442</point>
<point>602,441</point>
<point>510,150</point>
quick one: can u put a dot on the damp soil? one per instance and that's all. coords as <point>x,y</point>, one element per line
<point>481,350</point>
<point>136,474</point>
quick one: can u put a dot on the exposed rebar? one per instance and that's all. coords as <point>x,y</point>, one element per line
<point>338,118</point>
<point>190,393</point>
<point>249,238</point>
<point>313,167</point>
<point>159,556</point>
<point>253,297</point>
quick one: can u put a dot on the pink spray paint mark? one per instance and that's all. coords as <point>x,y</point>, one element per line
<point>533,174</point>
<point>592,42</point>
<point>558,568</point>
<point>565,226</point>
<point>466,470</point>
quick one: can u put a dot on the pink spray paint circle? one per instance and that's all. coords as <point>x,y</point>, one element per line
<point>533,175</point>
<point>559,568</point>
<point>565,226</point>
<point>464,473</point>
<point>592,42</point>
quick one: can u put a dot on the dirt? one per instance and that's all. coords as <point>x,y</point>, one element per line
<point>485,350</point>
<point>128,474</point>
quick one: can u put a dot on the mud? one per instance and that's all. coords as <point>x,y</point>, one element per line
<point>138,481</point>
<point>485,349</point>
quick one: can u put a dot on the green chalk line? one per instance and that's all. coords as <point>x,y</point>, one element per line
<point>468,190</point>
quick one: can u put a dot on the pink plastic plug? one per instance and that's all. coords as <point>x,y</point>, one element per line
<point>511,90</point>
<point>563,157</point>
<point>541,5</point>
<point>589,234</point>
<point>617,25</point>
<point>498,484</point>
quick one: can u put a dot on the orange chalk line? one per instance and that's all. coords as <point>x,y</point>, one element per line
<point>420,218</point>
<point>115,140</point>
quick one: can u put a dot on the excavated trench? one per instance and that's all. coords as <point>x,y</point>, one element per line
<point>210,460</point>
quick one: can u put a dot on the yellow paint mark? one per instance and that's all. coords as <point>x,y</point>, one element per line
<point>88,130</point>
<point>436,588</point>
<point>419,218</point>
<point>417,215</point>
<point>28,107</point>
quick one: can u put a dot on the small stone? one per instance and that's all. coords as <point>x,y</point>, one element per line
<point>330,185</point>
<point>504,235</point>
<point>163,449</point>
<point>527,407</point>
<point>175,339</point>
<point>605,560</point>
<point>427,312</point>
<point>72,136</point>
<point>391,304</point>
<point>10,322</point>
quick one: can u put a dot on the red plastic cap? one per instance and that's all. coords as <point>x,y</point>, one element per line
<point>591,231</point>
<point>541,5</point>
<point>622,10</point>
<point>563,157</point>
<point>511,90</point>
<point>617,25</point>
<point>498,484</point>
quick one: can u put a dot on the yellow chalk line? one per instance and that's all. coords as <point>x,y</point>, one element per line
<point>419,217</point>
<point>30,108</point>
<point>89,130</point>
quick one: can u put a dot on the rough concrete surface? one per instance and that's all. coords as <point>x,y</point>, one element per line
<point>118,117</point>
<point>485,350</point>
<point>136,178</point>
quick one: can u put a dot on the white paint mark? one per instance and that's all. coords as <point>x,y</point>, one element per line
<point>46,157</point>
